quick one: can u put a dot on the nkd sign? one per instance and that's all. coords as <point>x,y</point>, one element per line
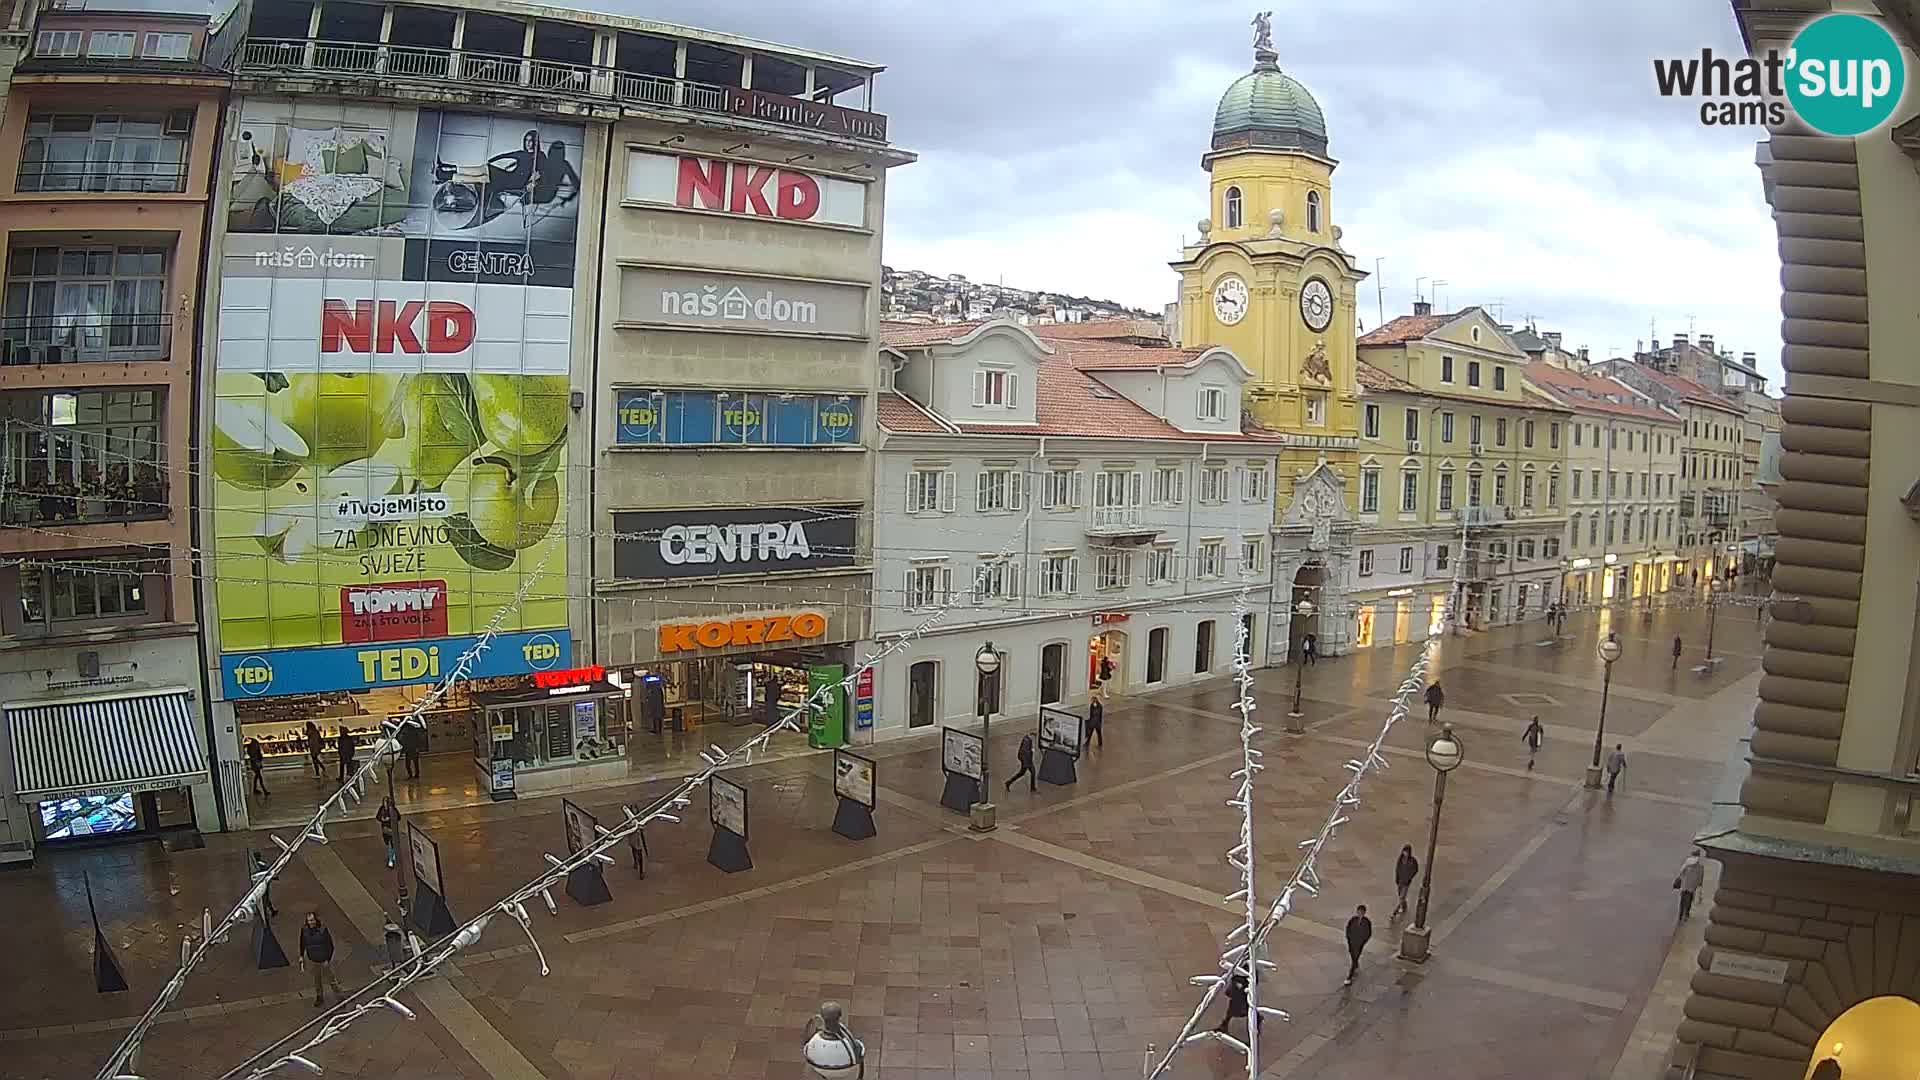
<point>747,188</point>
<point>698,300</point>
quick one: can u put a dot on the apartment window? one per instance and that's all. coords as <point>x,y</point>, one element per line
<point>1369,491</point>
<point>1059,575</point>
<point>1115,489</point>
<point>1366,562</point>
<point>1440,556</point>
<point>1473,489</point>
<point>166,46</point>
<point>1255,483</point>
<point>1473,373</point>
<point>1576,434</point>
<point>1646,485</point>
<point>1253,556</point>
<point>1235,210</point>
<point>1644,516</point>
<point>1550,548</point>
<point>996,578</point>
<point>83,590</point>
<point>1499,489</point>
<point>997,489</point>
<point>1593,432</point>
<point>1500,431</point>
<point>1316,405</point>
<point>1409,491</point>
<point>1473,430</point>
<point>1446,369</point>
<point>1553,437</point>
<point>1629,485</point>
<point>68,304</point>
<point>1060,489</point>
<point>1524,550</point>
<point>996,387</point>
<point>1609,530</point>
<point>1613,439</point>
<point>1170,485</point>
<point>1498,551</point>
<point>1406,560</point>
<point>1576,483</point>
<point>1446,491</point>
<point>1446,427</point>
<point>928,585</point>
<point>111,44</point>
<point>1499,377</point>
<point>88,455</point>
<point>1209,558</point>
<point>1573,531</point>
<point>930,491</point>
<point>1163,563</point>
<point>1612,479</point>
<point>1371,417</point>
<point>1213,403</point>
<point>1411,426</point>
<point>1553,491</point>
<point>1213,484</point>
<point>1526,491</point>
<point>1526,434</point>
<point>57,44</point>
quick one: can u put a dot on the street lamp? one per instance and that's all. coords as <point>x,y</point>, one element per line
<point>1609,652</point>
<point>1444,753</point>
<point>1713,609</point>
<point>1305,610</point>
<point>987,663</point>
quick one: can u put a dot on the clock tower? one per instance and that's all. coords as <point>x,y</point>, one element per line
<point>1269,279</point>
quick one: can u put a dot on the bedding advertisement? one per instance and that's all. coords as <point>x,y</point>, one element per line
<point>392,391</point>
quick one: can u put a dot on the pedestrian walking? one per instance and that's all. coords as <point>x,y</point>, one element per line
<point>1359,932</point>
<point>412,737</point>
<point>1096,721</point>
<point>389,818</point>
<point>1692,873</point>
<point>1405,869</point>
<point>1106,668</point>
<point>344,746</point>
<point>316,949</point>
<point>266,894</point>
<point>1616,762</point>
<point>1310,649</point>
<point>1678,648</point>
<point>314,751</point>
<point>1436,697</point>
<point>1533,737</point>
<point>1026,765</point>
<point>256,765</point>
<point>637,845</point>
<point>1237,1004</point>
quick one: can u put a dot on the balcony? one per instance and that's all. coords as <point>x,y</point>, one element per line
<point>70,339</point>
<point>1125,525</point>
<point>392,63</point>
<point>1480,517</point>
<point>122,493</point>
<point>100,178</point>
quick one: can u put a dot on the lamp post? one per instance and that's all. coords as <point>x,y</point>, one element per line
<point>1444,753</point>
<point>986,663</point>
<point>1609,652</point>
<point>1305,610</point>
<point>1713,609</point>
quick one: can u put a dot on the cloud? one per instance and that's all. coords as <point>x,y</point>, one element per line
<point>1515,148</point>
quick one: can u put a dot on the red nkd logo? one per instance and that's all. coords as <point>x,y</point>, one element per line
<point>390,326</point>
<point>739,188</point>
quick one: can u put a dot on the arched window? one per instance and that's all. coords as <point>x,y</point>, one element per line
<point>1233,215</point>
<point>1313,211</point>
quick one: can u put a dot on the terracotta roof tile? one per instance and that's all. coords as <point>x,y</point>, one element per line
<point>1687,388</point>
<point>899,414</point>
<point>1111,355</point>
<point>1407,328</point>
<point>1372,378</point>
<point>1586,392</point>
<point>907,335</point>
<point>1142,330</point>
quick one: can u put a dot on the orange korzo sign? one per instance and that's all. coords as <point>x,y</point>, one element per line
<point>770,630</point>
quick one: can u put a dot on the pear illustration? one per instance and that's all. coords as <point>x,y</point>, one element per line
<point>342,418</point>
<point>521,414</point>
<point>251,448</point>
<point>438,411</point>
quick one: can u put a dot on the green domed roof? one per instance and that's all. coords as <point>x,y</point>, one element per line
<point>1269,108</point>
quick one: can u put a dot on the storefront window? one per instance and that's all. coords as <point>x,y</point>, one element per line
<point>1363,628</point>
<point>83,590</point>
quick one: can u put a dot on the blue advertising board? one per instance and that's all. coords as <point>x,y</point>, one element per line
<point>733,418</point>
<point>363,666</point>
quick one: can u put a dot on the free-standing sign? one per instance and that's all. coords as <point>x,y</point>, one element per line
<point>426,858</point>
<point>960,752</point>
<point>704,300</point>
<point>727,805</point>
<point>730,541</point>
<point>579,825</point>
<point>1059,730</point>
<point>586,883</point>
<point>747,188</point>
<point>853,778</point>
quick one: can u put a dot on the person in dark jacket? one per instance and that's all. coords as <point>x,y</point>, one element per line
<point>412,738</point>
<point>1405,869</point>
<point>1096,721</point>
<point>266,895</point>
<point>1677,649</point>
<point>1533,737</point>
<point>1359,932</point>
<point>1237,1003</point>
<point>389,818</point>
<point>1310,649</point>
<point>1436,697</point>
<point>1026,765</point>
<point>256,767</point>
<point>314,751</point>
<point>344,746</point>
<point>316,949</point>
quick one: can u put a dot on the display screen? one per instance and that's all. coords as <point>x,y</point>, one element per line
<point>88,815</point>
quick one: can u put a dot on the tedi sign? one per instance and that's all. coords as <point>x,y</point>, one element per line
<point>729,542</point>
<point>749,188</point>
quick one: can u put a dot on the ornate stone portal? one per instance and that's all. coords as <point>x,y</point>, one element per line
<point>1312,545</point>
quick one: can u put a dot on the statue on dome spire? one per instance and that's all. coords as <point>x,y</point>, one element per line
<point>1262,32</point>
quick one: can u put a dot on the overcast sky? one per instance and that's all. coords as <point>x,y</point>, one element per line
<point>1515,148</point>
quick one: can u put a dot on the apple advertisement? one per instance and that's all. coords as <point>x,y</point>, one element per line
<point>391,401</point>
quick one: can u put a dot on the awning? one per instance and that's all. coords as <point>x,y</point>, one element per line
<point>91,746</point>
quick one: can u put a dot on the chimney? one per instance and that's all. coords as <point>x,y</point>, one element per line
<point>1747,359</point>
<point>1422,307</point>
<point>1678,340</point>
<point>1553,338</point>
<point>1706,342</point>
<point>1583,355</point>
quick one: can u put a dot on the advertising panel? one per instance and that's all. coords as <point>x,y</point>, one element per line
<point>1059,730</point>
<point>727,805</point>
<point>392,392</point>
<point>747,188</point>
<point>426,859</point>
<point>734,418</point>
<point>271,672</point>
<point>704,300</point>
<point>960,752</point>
<point>853,778</point>
<point>581,827</point>
<point>722,543</point>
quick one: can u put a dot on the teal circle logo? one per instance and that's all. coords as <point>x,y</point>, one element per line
<point>1845,74</point>
<point>253,675</point>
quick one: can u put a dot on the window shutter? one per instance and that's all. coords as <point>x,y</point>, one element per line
<point>946,584</point>
<point>1179,486</point>
<point>1073,576</point>
<point>1013,389</point>
<point>1016,483</point>
<point>979,387</point>
<point>1014,570</point>
<point>1136,485</point>
<point>946,491</point>
<point>906,593</point>
<point>1079,497</point>
<point>913,491</point>
<point>981,489</point>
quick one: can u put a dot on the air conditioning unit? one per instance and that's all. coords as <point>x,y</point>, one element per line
<point>1474,449</point>
<point>1413,446</point>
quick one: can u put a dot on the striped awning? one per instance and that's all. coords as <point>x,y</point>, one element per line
<point>94,746</point>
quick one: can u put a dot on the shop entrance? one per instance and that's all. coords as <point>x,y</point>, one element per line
<point>1307,588</point>
<point>1107,658</point>
<point>1247,624</point>
<point>1203,648</point>
<point>1053,669</point>
<point>1157,655</point>
<point>923,682</point>
<point>674,701</point>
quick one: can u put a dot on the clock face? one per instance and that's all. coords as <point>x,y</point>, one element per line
<point>1230,300</point>
<point>1316,304</point>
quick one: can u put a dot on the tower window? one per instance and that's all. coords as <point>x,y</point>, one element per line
<point>1313,211</point>
<point>1234,214</point>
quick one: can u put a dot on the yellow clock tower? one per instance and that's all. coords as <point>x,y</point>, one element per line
<point>1268,278</point>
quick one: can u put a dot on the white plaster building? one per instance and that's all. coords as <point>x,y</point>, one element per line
<point>1083,500</point>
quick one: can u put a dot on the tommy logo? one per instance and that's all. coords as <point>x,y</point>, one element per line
<point>393,611</point>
